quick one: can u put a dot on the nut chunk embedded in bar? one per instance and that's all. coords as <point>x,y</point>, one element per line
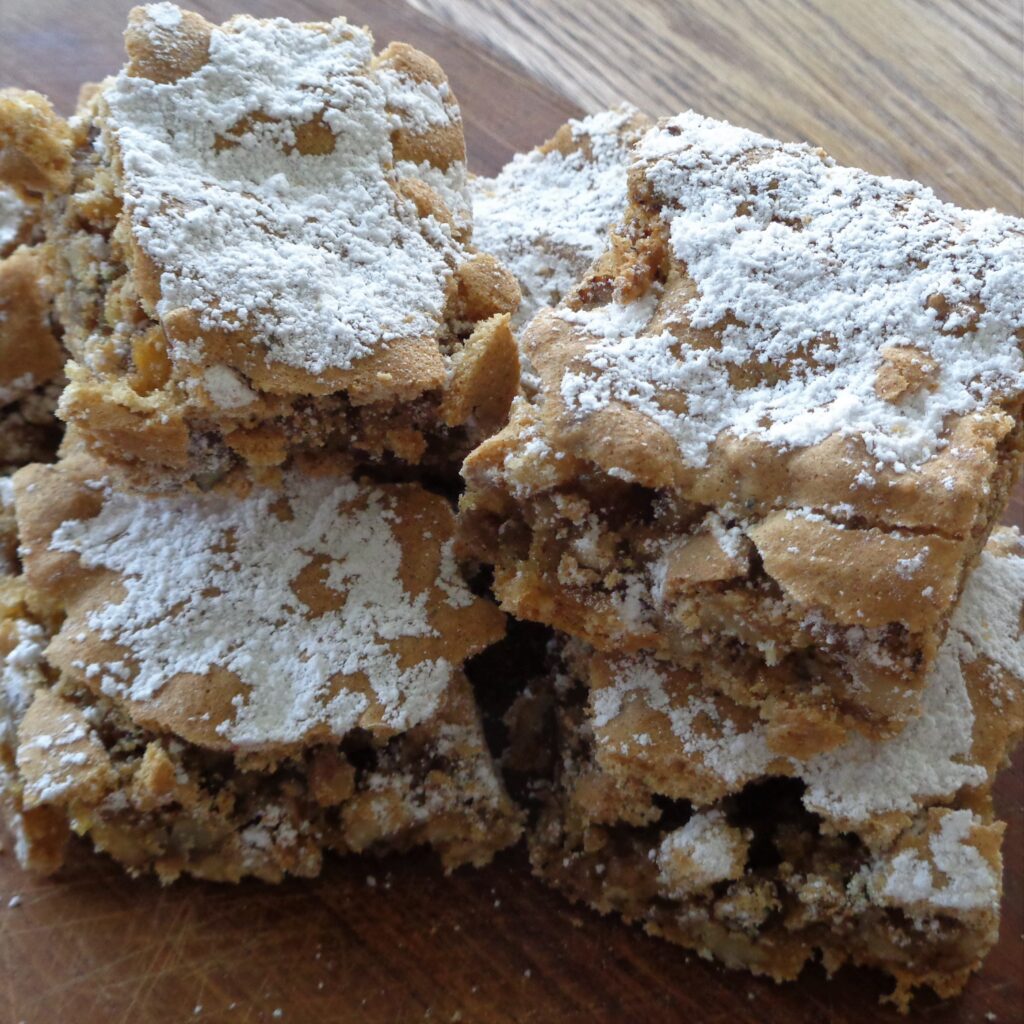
<point>774,427</point>
<point>668,806</point>
<point>265,248</point>
<point>237,681</point>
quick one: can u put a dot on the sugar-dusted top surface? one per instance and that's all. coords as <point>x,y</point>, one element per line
<point>730,753</point>
<point>930,759</point>
<point>547,214</point>
<point>314,255</point>
<point>807,278</point>
<point>327,605</point>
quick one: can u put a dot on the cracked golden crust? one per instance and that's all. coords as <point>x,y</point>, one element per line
<point>484,377</point>
<point>849,573</point>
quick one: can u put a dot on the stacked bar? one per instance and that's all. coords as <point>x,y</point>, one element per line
<point>235,641</point>
<point>773,427</point>
<point>264,247</point>
<point>668,806</point>
<point>230,683</point>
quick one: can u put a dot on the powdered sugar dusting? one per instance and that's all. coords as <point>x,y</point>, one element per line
<point>13,211</point>
<point>21,674</point>
<point>928,760</point>
<point>732,754</point>
<point>450,184</point>
<point>931,756</point>
<point>226,388</point>
<point>957,876</point>
<point>210,582</point>
<point>711,847</point>
<point>164,15</point>
<point>814,269</point>
<point>315,255</point>
<point>547,215</point>
<point>987,622</point>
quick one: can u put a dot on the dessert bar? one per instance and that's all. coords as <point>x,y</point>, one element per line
<point>775,425</point>
<point>668,806</point>
<point>230,683</point>
<point>261,245</point>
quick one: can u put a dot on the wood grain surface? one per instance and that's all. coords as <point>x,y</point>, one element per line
<point>931,90</point>
<point>925,89</point>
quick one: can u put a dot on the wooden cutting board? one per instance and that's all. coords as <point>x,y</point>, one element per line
<point>394,940</point>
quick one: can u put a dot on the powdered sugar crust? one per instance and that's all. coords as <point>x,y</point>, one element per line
<point>209,583</point>
<point>987,622</point>
<point>315,255</point>
<point>955,877</point>
<point>805,264</point>
<point>709,843</point>
<point>547,215</point>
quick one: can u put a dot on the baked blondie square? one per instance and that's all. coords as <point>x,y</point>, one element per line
<point>669,807</point>
<point>775,425</point>
<point>264,246</point>
<point>231,683</point>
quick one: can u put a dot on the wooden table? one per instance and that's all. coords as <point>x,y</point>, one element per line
<point>929,90</point>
